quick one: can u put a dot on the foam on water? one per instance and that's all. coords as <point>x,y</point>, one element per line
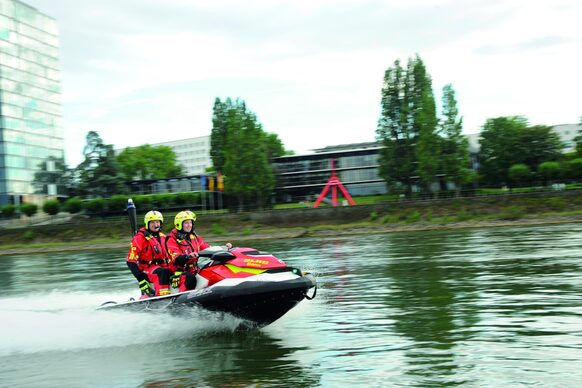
<point>58,321</point>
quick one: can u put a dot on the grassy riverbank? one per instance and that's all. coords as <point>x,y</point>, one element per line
<point>83,233</point>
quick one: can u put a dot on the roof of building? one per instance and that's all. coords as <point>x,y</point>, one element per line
<point>345,147</point>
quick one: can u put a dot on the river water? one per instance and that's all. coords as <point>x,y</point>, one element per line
<point>477,308</point>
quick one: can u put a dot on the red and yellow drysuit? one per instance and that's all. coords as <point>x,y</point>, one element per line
<point>182,249</point>
<point>148,260</point>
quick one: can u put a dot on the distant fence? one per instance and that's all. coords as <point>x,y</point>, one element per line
<point>290,216</point>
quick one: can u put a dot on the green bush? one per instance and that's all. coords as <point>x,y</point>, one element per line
<point>73,205</point>
<point>143,203</point>
<point>519,173</point>
<point>162,201</point>
<point>181,199</point>
<point>8,210</point>
<point>187,199</point>
<point>28,235</point>
<point>29,209</point>
<point>51,207</point>
<point>574,168</point>
<point>117,203</point>
<point>373,216</point>
<point>413,217</point>
<point>549,170</point>
<point>95,206</point>
<point>217,229</point>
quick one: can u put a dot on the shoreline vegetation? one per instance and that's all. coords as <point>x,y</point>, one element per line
<point>82,233</point>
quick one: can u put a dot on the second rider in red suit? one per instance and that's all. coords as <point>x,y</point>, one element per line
<point>183,245</point>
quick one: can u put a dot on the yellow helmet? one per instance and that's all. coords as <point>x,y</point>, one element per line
<point>152,215</point>
<point>183,216</point>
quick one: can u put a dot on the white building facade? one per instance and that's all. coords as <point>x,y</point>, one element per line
<point>193,154</point>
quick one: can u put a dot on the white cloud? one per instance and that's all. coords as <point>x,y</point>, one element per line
<point>311,70</point>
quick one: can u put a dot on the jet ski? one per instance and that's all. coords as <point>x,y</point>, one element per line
<point>244,282</point>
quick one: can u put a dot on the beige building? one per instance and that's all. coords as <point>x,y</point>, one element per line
<point>193,153</point>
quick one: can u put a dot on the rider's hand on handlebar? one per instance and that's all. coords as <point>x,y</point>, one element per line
<point>181,260</point>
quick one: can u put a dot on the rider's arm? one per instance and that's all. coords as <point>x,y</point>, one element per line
<point>139,275</point>
<point>201,243</point>
<point>133,257</point>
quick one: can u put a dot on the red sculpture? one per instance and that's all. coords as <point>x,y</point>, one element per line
<point>334,183</point>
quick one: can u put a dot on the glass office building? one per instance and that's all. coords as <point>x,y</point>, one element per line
<point>303,177</point>
<point>30,99</point>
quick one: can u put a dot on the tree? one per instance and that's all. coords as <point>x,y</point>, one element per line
<point>99,172</point>
<point>549,171</point>
<point>519,173</point>
<point>454,145</point>
<point>509,140</point>
<point>107,177</point>
<point>274,146</point>
<point>498,140</point>
<point>148,162</point>
<point>219,133</point>
<point>407,126</point>
<point>54,178</point>
<point>537,144</point>
<point>396,158</point>
<point>248,175</point>
<point>422,117</point>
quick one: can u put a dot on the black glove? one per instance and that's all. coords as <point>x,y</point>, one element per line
<point>181,260</point>
<point>176,279</point>
<point>146,288</point>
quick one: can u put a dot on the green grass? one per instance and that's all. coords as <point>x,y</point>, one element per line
<point>293,205</point>
<point>376,199</point>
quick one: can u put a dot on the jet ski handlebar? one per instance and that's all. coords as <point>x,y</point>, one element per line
<point>216,254</point>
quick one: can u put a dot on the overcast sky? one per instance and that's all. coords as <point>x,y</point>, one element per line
<point>140,71</point>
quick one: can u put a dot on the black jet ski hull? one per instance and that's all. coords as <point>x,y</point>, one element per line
<point>260,302</point>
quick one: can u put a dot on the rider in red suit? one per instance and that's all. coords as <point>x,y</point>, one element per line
<point>183,245</point>
<point>147,259</point>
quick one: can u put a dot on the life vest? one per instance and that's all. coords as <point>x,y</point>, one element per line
<point>184,244</point>
<point>147,249</point>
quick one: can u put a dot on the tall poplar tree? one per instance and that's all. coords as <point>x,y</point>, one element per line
<point>219,131</point>
<point>407,126</point>
<point>424,120</point>
<point>396,159</point>
<point>454,145</point>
